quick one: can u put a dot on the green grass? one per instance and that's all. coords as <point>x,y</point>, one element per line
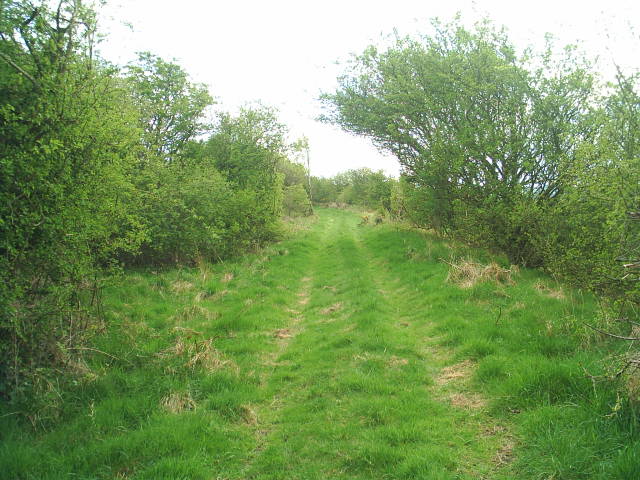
<point>339,353</point>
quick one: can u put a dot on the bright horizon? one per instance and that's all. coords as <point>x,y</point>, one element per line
<point>283,53</point>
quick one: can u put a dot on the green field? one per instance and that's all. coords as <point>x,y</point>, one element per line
<point>342,352</point>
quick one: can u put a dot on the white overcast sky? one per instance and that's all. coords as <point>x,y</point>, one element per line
<point>283,53</point>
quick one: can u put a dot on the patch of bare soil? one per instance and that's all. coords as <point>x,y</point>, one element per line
<point>295,317</point>
<point>467,401</point>
<point>504,455</point>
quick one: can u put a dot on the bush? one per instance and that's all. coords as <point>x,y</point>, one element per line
<point>296,201</point>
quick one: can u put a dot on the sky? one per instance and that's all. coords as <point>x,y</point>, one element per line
<point>284,53</point>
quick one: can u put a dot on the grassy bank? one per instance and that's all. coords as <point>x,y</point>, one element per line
<point>342,352</point>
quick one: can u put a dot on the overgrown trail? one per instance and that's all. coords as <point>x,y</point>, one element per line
<point>351,390</point>
<point>340,353</point>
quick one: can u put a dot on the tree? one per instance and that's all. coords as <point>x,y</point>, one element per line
<point>171,107</point>
<point>69,143</point>
<point>475,128</point>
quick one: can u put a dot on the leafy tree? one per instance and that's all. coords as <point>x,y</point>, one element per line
<point>296,201</point>
<point>293,173</point>
<point>171,107</point>
<point>362,187</point>
<point>474,127</point>
<point>69,143</point>
<point>247,149</point>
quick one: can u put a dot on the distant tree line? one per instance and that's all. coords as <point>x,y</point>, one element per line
<point>103,167</point>
<point>528,153</point>
<point>362,187</point>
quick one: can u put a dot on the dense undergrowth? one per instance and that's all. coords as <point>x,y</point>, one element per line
<point>104,167</point>
<point>136,340</point>
<point>531,152</point>
<point>343,352</point>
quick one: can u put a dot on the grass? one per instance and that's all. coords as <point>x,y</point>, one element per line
<point>340,353</point>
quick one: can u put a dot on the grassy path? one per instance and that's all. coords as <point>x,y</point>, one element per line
<point>341,353</point>
<point>354,386</point>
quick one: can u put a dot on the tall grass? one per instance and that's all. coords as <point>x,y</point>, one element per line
<point>342,352</point>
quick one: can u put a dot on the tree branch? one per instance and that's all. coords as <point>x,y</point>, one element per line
<point>632,339</point>
<point>20,70</point>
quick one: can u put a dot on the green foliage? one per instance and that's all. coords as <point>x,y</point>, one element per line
<point>522,154</point>
<point>69,142</point>
<point>296,201</point>
<point>362,187</point>
<point>100,168</point>
<point>323,190</point>
<point>356,340</point>
<point>171,107</point>
<point>224,193</point>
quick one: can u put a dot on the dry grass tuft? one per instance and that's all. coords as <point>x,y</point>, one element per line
<point>206,356</point>
<point>227,277</point>
<point>187,332</point>
<point>195,311</point>
<point>283,333</point>
<point>547,291</point>
<point>504,455</point>
<point>455,372</point>
<point>199,354</point>
<point>178,402</point>
<point>249,415</point>
<point>220,294</point>
<point>79,368</point>
<point>395,362</point>
<point>180,286</point>
<point>468,401</point>
<point>333,308</point>
<point>632,385</point>
<point>203,267</point>
<point>200,296</point>
<point>468,273</point>
<point>303,301</point>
